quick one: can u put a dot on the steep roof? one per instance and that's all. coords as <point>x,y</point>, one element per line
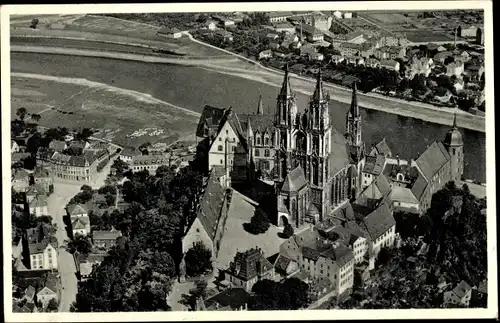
<point>433,159</point>
<point>339,158</point>
<point>76,209</point>
<point>211,204</point>
<point>374,164</point>
<point>258,122</point>
<point>419,187</point>
<point>58,145</point>
<point>80,222</point>
<point>30,291</point>
<point>383,148</point>
<point>402,194</point>
<point>378,188</point>
<point>210,116</point>
<point>233,298</point>
<point>379,221</point>
<point>294,181</point>
<point>341,255</point>
<point>39,201</point>
<point>462,289</point>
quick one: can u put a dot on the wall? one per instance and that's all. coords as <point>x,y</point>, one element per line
<point>196,233</point>
<point>217,157</point>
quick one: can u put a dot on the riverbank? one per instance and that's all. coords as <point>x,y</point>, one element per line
<point>232,66</point>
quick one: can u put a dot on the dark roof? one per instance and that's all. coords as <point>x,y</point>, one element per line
<point>383,148</point>
<point>419,187</point>
<point>258,122</point>
<point>80,222</point>
<point>462,289</point>
<point>374,164</point>
<point>30,291</point>
<point>383,185</point>
<point>127,151</point>
<point>39,201</point>
<point>233,298</point>
<point>294,181</point>
<point>210,116</point>
<point>308,29</point>
<point>379,221</point>
<point>282,263</point>
<point>249,264</point>
<point>341,255</point>
<point>433,159</point>
<point>106,235</point>
<point>211,204</point>
<point>15,157</point>
<point>409,172</point>
<point>167,30</point>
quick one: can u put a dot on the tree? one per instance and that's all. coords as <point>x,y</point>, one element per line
<point>84,135</point>
<point>107,189</point>
<point>34,23</point>
<point>34,142</point>
<point>21,113</point>
<point>198,292</point>
<point>80,244</point>
<point>110,199</point>
<point>259,222</point>
<point>119,167</point>
<point>291,294</point>
<point>36,117</point>
<point>53,305</point>
<point>198,260</point>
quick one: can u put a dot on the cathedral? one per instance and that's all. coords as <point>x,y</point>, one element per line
<point>311,165</point>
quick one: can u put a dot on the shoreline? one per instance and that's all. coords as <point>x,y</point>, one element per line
<point>274,78</point>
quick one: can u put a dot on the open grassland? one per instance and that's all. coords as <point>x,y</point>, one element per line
<point>108,29</point>
<point>387,18</point>
<point>117,113</point>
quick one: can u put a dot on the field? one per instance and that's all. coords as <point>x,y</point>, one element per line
<point>109,29</point>
<point>117,113</point>
<point>427,36</point>
<point>387,18</point>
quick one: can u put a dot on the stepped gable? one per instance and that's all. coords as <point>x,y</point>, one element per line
<point>294,181</point>
<point>211,204</point>
<point>249,264</point>
<point>433,159</point>
<point>210,117</point>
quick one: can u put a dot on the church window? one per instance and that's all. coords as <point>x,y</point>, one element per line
<point>257,152</point>
<point>232,148</point>
<point>266,141</point>
<point>453,151</point>
<point>219,148</point>
<point>227,131</point>
<point>258,140</point>
<point>266,153</point>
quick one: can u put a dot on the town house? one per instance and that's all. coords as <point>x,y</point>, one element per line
<point>249,267</point>
<point>42,247</point>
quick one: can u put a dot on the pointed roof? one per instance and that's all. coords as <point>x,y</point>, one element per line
<point>319,92</point>
<point>80,222</point>
<point>286,89</point>
<point>433,159</point>
<point>260,110</point>
<point>76,209</point>
<point>354,102</point>
<point>294,181</point>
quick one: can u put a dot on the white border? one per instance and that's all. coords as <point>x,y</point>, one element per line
<point>490,312</point>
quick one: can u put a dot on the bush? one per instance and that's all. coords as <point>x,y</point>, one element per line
<point>198,260</point>
<point>107,189</point>
<point>259,222</point>
<point>287,231</point>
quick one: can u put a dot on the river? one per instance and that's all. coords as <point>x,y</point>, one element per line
<point>191,87</point>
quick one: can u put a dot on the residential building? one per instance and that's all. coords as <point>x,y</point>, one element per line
<point>14,147</point>
<point>169,32</point>
<point>232,299</point>
<point>284,27</point>
<point>211,25</point>
<point>76,210</point>
<point>374,165</point>
<point>455,68</point>
<point>105,239</point>
<point>349,49</point>
<point>127,154</point>
<point>442,56</point>
<point>372,62</point>
<point>32,192</point>
<point>39,206</point>
<point>460,295</point>
<point>347,15</point>
<point>20,180</point>
<point>43,178</point>
<point>266,54</point>
<point>474,72</point>
<point>50,290</point>
<point>382,148</point>
<point>224,35</point>
<point>80,225</point>
<point>148,162</point>
<point>380,226</point>
<point>337,14</point>
<point>391,65</point>
<point>249,267</point>
<point>466,31</point>
<point>337,59</point>
<point>42,247</point>
<point>356,37</point>
<point>76,168</point>
<point>378,188</point>
<point>316,56</point>
<point>419,66</point>
<point>272,36</point>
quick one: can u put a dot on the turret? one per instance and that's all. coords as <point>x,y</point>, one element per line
<point>454,144</point>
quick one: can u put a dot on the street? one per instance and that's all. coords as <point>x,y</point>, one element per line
<point>63,192</point>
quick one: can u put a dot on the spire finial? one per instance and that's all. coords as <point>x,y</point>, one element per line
<point>354,102</point>
<point>455,121</point>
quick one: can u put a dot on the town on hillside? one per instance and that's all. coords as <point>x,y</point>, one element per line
<point>273,209</point>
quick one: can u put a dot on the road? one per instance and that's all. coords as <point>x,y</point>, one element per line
<point>63,192</point>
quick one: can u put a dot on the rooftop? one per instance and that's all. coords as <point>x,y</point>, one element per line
<point>249,264</point>
<point>433,159</point>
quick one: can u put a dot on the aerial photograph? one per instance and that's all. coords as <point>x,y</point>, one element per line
<point>248,161</point>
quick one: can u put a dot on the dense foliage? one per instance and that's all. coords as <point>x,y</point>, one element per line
<point>259,222</point>
<point>198,260</point>
<point>291,294</point>
<point>454,230</point>
<point>137,275</point>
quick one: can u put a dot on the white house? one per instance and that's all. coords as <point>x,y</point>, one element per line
<point>43,255</point>
<point>169,32</point>
<point>455,68</point>
<point>76,210</point>
<point>80,225</point>
<point>337,14</point>
<point>459,295</point>
<point>50,290</point>
<point>391,65</point>
<point>337,59</point>
<point>347,15</point>
<point>38,206</point>
<point>14,147</point>
<point>265,54</point>
<point>211,25</point>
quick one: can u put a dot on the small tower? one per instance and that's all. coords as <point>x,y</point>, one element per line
<point>454,144</point>
<point>353,121</point>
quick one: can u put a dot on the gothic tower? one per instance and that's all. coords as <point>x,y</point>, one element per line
<point>455,146</point>
<point>286,112</point>
<point>355,143</point>
<point>316,130</point>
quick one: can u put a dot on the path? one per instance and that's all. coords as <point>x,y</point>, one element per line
<point>57,201</point>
